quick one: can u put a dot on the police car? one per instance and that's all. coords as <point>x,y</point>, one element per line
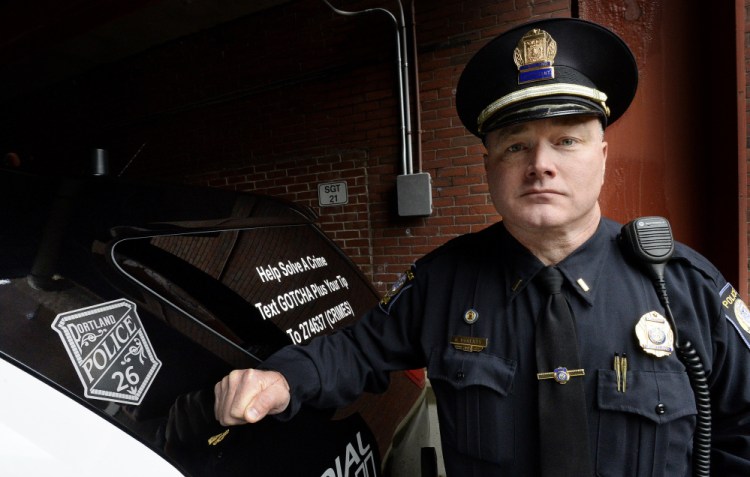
<point>122,304</point>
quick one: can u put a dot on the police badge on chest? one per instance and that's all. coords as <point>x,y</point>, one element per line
<point>655,335</point>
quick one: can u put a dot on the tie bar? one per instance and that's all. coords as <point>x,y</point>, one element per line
<point>561,375</point>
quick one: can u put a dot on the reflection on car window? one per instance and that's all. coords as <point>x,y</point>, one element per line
<point>259,288</point>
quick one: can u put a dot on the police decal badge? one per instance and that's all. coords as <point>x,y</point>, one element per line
<point>736,312</point>
<point>110,351</point>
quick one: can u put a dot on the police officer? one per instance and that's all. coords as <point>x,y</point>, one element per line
<point>540,97</point>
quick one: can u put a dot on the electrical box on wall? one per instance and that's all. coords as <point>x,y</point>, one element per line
<point>414,194</point>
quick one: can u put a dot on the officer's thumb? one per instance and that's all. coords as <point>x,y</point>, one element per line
<point>273,398</point>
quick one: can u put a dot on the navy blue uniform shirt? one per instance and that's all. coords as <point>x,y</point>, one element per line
<point>487,400</point>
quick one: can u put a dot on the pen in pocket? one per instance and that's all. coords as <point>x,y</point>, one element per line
<point>621,371</point>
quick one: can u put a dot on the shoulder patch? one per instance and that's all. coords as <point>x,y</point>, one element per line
<point>400,284</point>
<point>736,312</point>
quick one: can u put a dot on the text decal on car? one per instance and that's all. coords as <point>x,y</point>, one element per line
<point>110,350</point>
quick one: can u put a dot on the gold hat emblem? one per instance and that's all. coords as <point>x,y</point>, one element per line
<point>534,56</point>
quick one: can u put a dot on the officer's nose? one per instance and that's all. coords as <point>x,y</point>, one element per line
<point>541,161</point>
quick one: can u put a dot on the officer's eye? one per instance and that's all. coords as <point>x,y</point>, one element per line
<point>567,141</point>
<point>515,148</point>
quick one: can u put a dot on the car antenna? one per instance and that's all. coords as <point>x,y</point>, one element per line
<point>131,160</point>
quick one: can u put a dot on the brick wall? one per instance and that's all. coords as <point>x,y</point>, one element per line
<point>747,106</point>
<point>289,98</point>
<point>359,140</point>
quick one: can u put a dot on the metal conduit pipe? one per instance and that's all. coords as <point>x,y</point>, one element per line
<point>417,102</point>
<point>406,100</point>
<point>407,164</point>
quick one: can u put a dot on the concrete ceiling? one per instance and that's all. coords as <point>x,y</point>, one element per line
<point>46,41</point>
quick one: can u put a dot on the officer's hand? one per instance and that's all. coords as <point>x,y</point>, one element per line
<point>248,395</point>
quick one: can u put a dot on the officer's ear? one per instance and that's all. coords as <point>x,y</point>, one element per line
<point>485,156</point>
<point>487,143</point>
<point>605,147</point>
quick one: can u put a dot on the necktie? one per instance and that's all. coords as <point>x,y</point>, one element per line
<point>563,429</point>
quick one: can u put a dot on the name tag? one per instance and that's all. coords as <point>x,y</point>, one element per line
<point>469,343</point>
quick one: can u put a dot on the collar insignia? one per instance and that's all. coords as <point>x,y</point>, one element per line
<point>471,316</point>
<point>534,56</point>
<point>215,440</point>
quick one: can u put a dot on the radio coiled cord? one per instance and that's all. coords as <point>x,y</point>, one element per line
<point>697,375</point>
<point>649,241</point>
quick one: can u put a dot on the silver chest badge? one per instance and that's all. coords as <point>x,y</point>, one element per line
<point>655,335</point>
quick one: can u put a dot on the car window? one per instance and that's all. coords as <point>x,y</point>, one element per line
<point>258,287</point>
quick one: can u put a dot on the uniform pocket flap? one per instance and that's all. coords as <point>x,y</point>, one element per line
<point>659,396</point>
<point>462,369</point>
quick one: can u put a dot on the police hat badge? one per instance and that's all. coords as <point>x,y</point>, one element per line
<point>552,67</point>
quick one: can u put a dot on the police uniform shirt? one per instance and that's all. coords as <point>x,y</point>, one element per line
<point>479,287</point>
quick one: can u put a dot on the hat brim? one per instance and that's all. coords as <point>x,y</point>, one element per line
<point>545,108</point>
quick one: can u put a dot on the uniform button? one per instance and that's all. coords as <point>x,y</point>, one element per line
<point>660,408</point>
<point>460,375</point>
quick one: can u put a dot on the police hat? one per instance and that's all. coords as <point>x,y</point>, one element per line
<point>552,67</point>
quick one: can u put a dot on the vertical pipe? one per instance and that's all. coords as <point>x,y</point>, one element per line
<point>406,107</point>
<point>403,80</point>
<point>417,103</point>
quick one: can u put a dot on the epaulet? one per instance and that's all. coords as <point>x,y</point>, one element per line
<point>733,307</point>
<point>686,255</point>
<point>462,243</point>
